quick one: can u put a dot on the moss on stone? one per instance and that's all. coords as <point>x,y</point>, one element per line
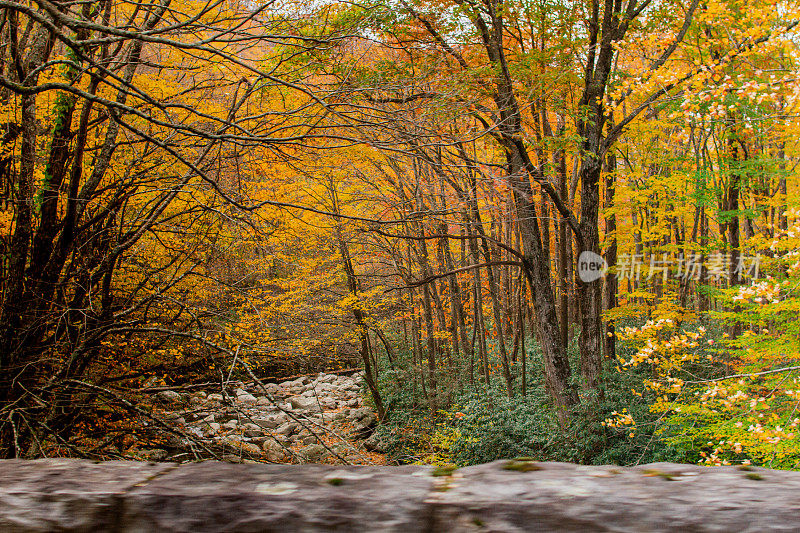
<point>521,466</point>
<point>444,470</point>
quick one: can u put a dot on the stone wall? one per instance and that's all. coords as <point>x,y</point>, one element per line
<point>520,495</point>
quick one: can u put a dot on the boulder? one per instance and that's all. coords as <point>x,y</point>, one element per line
<point>270,422</point>
<point>246,399</point>
<point>375,444</point>
<point>169,396</point>
<point>238,445</point>
<point>314,453</point>
<point>151,454</point>
<point>286,428</point>
<point>273,451</point>
<point>305,403</point>
<point>363,414</point>
<point>252,430</point>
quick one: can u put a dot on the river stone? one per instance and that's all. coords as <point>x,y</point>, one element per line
<point>269,422</point>
<point>170,396</point>
<point>375,444</point>
<point>252,430</point>
<point>305,403</point>
<point>286,428</point>
<point>314,453</point>
<point>273,451</point>
<point>151,454</point>
<point>328,403</point>
<point>247,447</point>
<point>247,399</point>
<point>364,413</point>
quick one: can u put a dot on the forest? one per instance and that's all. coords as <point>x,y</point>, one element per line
<point>558,229</point>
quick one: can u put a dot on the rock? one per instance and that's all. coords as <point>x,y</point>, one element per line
<point>353,403</point>
<point>345,383</point>
<point>313,453</point>
<point>273,451</point>
<point>246,398</point>
<point>197,400</point>
<point>215,397</point>
<point>129,496</point>
<point>153,454</point>
<point>361,414</point>
<point>211,496</point>
<point>251,448</point>
<point>363,420</point>
<point>308,439</point>
<point>263,400</point>
<point>286,428</point>
<point>328,404</point>
<point>305,403</point>
<point>296,384</point>
<point>209,418</point>
<point>315,419</point>
<point>327,378</point>
<point>213,428</point>
<point>231,424</point>
<point>269,422</point>
<point>323,388</point>
<point>246,447</point>
<point>226,416</point>
<point>252,430</point>
<point>170,396</point>
<point>375,444</point>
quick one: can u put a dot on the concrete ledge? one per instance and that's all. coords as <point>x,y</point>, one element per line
<point>81,496</point>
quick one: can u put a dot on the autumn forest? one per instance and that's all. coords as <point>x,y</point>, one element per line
<point>560,229</point>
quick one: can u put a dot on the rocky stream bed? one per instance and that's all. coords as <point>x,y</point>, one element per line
<point>318,419</point>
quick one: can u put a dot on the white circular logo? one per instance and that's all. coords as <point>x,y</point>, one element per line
<point>591,267</point>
